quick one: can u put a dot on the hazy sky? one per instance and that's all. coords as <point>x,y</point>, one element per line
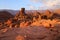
<point>29,4</point>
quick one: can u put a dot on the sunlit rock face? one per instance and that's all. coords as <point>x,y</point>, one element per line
<point>47,15</point>
<point>55,15</point>
<point>21,14</point>
<point>46,19</point>
<point>31,26</point>
<point>57,11</point>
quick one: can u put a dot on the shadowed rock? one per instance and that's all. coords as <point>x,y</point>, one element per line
<point>4,15</point>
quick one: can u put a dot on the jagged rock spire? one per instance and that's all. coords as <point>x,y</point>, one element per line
<point>22,11</point>
<point>20,14</point>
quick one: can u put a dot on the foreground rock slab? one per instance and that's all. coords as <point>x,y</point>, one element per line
<point>31,33</point>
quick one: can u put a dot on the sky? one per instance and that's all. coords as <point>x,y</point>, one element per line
<point>29,4</point>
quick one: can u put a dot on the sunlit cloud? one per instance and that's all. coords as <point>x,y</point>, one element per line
<point>32,7</point>
<point>48,4</point>
<point>36,1</point>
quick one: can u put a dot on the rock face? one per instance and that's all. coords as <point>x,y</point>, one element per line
<point>55,15</point>
<point>57,11</point>
<point>4,15</point>
<point>21,14</point>
<point>21,27</point>
<point>31,33</point>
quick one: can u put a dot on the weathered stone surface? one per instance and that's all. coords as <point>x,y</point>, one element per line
<point>31,33</point>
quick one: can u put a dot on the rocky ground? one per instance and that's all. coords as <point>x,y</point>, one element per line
<point>34,27</point>
<point>30,33</point>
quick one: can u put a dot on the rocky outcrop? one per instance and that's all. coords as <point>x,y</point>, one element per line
<point>34,26</point>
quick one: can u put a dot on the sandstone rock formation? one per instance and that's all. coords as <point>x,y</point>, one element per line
<point>34,26</point>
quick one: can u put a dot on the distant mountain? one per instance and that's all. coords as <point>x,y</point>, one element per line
<point>4,15</point>
<point>13,12</point>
